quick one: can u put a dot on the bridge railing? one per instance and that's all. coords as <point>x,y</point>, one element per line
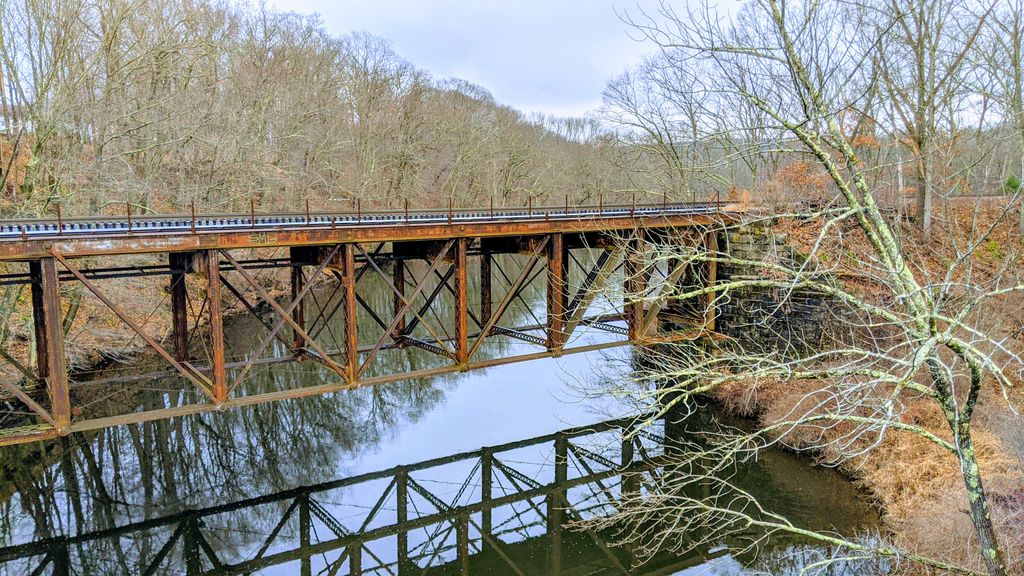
<point>23,229</point>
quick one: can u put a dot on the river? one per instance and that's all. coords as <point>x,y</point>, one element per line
<point>59,497</point>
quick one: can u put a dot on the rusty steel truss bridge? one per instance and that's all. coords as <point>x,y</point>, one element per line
<point>425,261</point>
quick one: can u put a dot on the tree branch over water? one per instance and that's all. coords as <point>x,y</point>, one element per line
<point>905,333</point>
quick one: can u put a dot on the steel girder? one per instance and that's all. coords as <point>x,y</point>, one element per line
<point>427,306</point>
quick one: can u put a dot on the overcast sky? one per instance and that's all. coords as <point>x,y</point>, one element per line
<point>551,56</point>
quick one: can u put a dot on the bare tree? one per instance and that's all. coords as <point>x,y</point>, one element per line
<point>908,336</point>
<point>922,50</point>
<point>1000,57</point>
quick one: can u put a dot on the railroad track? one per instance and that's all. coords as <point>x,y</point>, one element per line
<point>35,229</point>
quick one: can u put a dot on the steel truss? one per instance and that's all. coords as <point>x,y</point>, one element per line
<point>431,309</point>
<point>415,524</point>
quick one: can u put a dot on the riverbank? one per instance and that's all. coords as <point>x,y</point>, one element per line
<point>917,484</point>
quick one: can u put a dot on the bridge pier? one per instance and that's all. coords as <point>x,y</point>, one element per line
<point>180,264</point>
<point>398,297</point>
<point>711,279</point>
<point>461,303</point>
<point>462,543</point>
<point>635,286</point>
<point>49,331</point>
<point>305,526</point>
<point>556,505</point>
<point>351,333</point>
<point>557,292</point>
<point>215,317</point>
<point>486,493</point>
<point>485,285</point>
<point>401,517</point>
<point>297,284</point>
<point>355,559</point>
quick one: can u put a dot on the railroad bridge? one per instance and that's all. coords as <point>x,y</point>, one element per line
<point>450,279</point>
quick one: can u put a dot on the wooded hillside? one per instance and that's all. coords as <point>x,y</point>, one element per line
<point>165,103</point>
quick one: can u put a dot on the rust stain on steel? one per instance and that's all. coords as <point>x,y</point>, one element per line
<point>55,368</point>
<point>351,333</point>
<point>461,304</point>
<point>215,315</point>
<point>159,243</point>
<point>557,291</point>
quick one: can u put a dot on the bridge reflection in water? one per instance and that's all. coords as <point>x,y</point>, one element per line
<point>508,515</point>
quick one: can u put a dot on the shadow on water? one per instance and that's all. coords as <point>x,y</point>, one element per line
<point>314,485</point>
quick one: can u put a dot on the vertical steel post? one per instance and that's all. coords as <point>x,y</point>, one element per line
<point>401,517</point>
<point>557,292</point>
<point>60,556</point>
<point>297,284</point>
<point>348,281</point>
<point>46,314</point>
<point>305,525</point>
<point>216,320</point>
<point>462,542</point>
<point>486,491</point>
<point>486,307</point>
<point>399,296</point>
<point>461,306</point>
<point>39,319</point>
<point>630,482</point>
<point>190,548</point>
<point>355,559</point>
<point>556,504</point>
<point>179,265</point>
<point>635,286</point>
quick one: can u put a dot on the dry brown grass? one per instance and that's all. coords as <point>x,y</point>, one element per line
<point>917,484</point>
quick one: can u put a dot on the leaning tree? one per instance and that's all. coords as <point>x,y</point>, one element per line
<point>902,332</point>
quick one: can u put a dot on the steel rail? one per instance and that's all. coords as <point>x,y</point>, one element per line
<point>42,228</point>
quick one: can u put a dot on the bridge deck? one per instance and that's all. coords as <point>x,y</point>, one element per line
<point>30,239</point>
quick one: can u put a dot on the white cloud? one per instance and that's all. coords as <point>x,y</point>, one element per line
<point>550,56</point>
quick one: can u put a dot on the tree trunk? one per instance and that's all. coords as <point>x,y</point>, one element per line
<point>923,211</point>
<point>1020,188</point>
<point>983,528</point>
